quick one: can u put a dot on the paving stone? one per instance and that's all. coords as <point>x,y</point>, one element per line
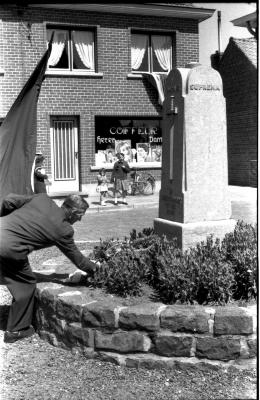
<point>218,348</point>
<point>49,337</point>
<point>75,334</point>
<point>69,307</point>
<point>57,326</point>
<point>148,361</point>
<point>143,316</point>
<point>47,300</point>
<point>252,347</point>
<point>169,344</point>
<point>114,358</point>
<point>185,319</point>
<point>232,321</point>
<point>99,314</point>
<point>122,341</point>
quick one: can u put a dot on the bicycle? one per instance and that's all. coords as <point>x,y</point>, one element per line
<point>142,183</point>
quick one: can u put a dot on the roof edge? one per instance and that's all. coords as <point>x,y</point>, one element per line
<point>159,10</point>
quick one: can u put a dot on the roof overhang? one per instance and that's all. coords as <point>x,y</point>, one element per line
<point>242,21</point>
<point>154,9</point>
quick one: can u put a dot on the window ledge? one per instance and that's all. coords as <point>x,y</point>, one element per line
<point>140,75</point>
<point>134,76</point>
<point>2,72</point>
<point>145,165</point>
<point>74,73</point>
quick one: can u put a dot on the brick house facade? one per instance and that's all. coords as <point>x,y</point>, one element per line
<point>238,69</point>
<point>83,102</point>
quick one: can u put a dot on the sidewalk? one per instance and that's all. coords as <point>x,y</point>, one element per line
<point>239,196</point>
<point>118,221</point>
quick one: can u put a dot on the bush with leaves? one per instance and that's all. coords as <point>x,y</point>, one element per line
<point>121,274</point>
<point>211,272</point>
<point>200,275</point>
<point>240,248</point>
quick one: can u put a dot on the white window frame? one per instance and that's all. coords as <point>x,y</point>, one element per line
<point>70,71</point>
<point>150,53</point>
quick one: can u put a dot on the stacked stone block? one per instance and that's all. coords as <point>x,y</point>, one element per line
<point>150,335</point>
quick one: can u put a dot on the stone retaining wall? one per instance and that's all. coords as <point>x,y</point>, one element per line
<point>151,335</point>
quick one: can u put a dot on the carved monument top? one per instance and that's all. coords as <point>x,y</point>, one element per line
<point>200,79</point>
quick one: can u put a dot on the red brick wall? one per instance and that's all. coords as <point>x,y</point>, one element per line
<point>113,94</point>
<point>240,90</point>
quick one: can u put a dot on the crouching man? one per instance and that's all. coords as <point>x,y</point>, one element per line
<point>31,223</point>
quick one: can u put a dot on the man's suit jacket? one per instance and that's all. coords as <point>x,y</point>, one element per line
<point>35,222</point>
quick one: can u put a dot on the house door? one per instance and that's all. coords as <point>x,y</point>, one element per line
<point>64,155</point>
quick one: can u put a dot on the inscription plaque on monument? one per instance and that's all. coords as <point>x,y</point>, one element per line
<point>194,199</point>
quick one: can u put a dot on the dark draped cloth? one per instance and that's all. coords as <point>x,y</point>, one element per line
<point>158,81</point>
<point>18,135</point>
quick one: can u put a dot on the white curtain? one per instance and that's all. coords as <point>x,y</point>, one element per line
<point>163,51</point>
<point>139,44</point>
<point>58,45</point>
<point>84,42</point>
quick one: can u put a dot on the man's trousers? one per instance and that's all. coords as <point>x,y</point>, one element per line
<point>21,282</point>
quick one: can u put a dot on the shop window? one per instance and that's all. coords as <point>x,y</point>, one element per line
<point>140,139</point>
<point>72,50</point>
<point>151,52</point>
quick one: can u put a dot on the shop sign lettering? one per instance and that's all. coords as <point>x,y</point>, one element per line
<point>204,87</point>
<point>105,140</point>
<point>153,139</point>
<point>101,140</point>
<point>133,130</point>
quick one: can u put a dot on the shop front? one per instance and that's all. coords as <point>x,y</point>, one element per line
<point>138,138</point>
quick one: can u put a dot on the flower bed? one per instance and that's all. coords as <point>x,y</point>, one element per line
<point>213,272</point>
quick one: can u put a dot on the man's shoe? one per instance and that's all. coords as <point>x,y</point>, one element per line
<point>11,337</point>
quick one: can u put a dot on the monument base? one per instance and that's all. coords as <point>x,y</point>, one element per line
<point>189,234</point>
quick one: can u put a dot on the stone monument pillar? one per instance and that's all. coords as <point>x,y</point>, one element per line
<point>194,200</point>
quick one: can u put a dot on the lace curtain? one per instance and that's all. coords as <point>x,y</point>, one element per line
<point>84,42</point>
<point>139,44</point>
<point>59,40</point>
<point>163,51</point>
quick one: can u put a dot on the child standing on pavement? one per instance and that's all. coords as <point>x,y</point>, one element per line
<point>119,177</point>
<point>102,185</point>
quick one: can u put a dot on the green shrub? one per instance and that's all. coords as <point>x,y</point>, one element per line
<point>200,275</point>
<point>122,274</point>
<point>240,248</point>
<point>123,267</point>
<point>211,272</point>
<point>145,232</point>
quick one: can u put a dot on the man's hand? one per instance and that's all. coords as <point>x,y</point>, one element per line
<point>75,277</point>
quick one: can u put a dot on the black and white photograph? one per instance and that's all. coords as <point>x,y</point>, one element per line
<point>129,201</point>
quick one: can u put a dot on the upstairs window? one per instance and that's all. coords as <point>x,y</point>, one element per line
<point>151,52</point>
<point>72,50</point>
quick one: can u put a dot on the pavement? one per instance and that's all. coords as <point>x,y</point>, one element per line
<point>117,221</point>
<point>238,194</point>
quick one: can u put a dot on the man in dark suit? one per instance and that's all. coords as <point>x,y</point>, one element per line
<point>31,223</point>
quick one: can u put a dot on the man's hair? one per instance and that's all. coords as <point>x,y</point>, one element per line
<point>75,202</point>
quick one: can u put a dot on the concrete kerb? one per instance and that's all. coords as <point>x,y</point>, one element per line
<point>151,335</point>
